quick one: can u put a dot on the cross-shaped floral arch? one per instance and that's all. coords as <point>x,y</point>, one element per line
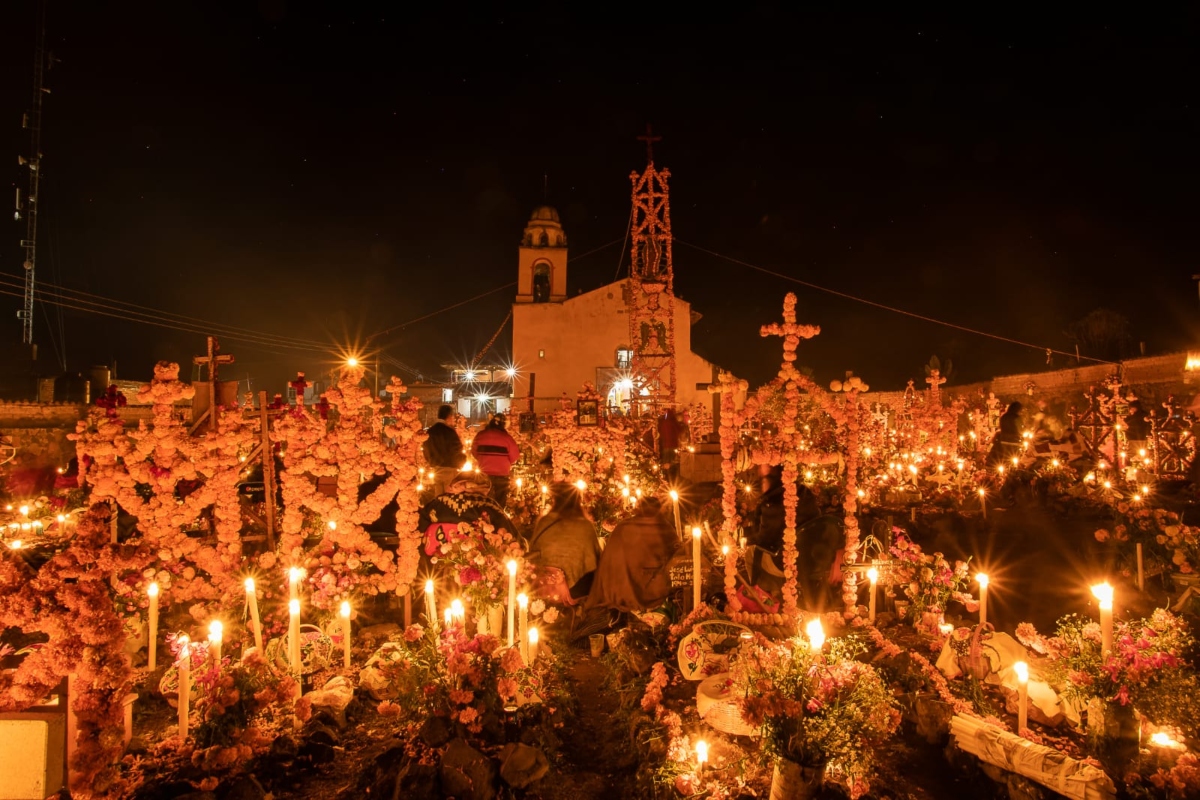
<point>843,407</point>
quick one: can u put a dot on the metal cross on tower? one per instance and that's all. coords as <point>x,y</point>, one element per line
<point>651,288</point>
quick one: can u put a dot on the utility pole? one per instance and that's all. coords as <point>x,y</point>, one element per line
<point>33,123</point>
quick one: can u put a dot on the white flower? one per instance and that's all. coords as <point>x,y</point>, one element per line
<point>551,615</point>
<point>537,607</point>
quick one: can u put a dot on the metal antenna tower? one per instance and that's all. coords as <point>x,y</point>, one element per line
<point>33,123</point>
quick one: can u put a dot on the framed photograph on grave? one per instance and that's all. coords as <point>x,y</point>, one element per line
<point>587,413</point>
<point>528,422</point>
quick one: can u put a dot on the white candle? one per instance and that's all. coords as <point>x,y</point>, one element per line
<point>185,685</point>
<point>1104,593</point>
<point>255,622</point>
<point>512,599</point>
<point>294,575</point>
<point>982,579</point>
<point>678,525</point>
<point>533,645</point>
<point>294,635</point>
<point>983,502</point>
<point>449,618</point>
<point>1141,569</point>
<point>523,635</point>
<point>345,613</point>
<point>873,577</point>
<point>458,614</point>
<point>696,567</point>
<point>816,634</point>
<point>1022,670</point>
<point>152,641</point>
<point>216,635</point>
<point>701,757</point>
<point>431,617</point>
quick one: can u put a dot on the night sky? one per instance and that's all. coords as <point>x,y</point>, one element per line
<point>322,174</point>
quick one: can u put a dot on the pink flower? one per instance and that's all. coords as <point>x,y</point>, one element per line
<point>469,575</point>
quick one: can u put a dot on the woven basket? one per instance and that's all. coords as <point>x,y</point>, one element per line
<point>718,707</point>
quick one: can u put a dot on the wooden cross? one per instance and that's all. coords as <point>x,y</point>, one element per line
<point>649,138</point>
<point>213,360</point>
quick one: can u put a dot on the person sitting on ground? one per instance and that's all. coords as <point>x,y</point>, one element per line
<point>443,450</point>
<point>566,539</point>
<point>634,569</point>
<point>465,501</point>
<point>495,452</point>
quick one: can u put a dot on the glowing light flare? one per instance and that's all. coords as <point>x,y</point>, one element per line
<point>981,579</point>
<point>581,485</point>
<point>816,634</point>
<point>345,609</point>
<point>1022,670</point>
<point>1104,593</point>
<point>216,631</point>
<point>701,752</point>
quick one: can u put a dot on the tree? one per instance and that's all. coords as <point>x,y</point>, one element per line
<point>1103,333</point>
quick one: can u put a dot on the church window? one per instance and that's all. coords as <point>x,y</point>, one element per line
<point>541,283</point>
<point>624,358</point>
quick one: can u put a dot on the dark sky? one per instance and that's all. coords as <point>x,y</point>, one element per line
<point>322,173</point>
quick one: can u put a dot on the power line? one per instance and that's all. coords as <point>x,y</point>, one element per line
<point>79,296</point>
<point>264,345</point>
<point>892,309</point>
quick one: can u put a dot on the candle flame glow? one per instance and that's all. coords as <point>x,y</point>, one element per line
<point>294,607</point>
<point>696,533</point>
<point>523,600</point>
<point>816,634</point>
<point>216,631</point>
<point>429,586</point>
<point>982,580</point>
<point>249,585</point>
<point>873,575</point>
<point>152,590</point>
<point>1103,593</point>
<point>1022,670</point>
<point>345,609</point>
<point>674,496</point>
<point>701,752</point>
<point>512,567</point>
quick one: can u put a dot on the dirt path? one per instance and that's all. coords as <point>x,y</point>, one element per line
<point>598,759</point>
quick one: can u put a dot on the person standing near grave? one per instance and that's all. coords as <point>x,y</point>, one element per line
<point>443,450</point>
<point>495,450</point>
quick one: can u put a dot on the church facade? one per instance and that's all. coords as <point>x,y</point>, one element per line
<point>561,342</point>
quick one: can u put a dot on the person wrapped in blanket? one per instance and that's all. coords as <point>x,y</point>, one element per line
<point>564,546</point>
<point>466,501</point>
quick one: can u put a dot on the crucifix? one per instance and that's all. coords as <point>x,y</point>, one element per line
<point>212,361</point>
<point>649,138</point>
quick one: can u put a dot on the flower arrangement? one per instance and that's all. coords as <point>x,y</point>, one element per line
<point>476,558</point>
<point>1148,667</point>
<point>816,708</point>
<point>470,680</point>
<point>929,581</point>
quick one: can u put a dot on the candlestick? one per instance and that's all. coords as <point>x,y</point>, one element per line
<point>1104,593</point>
<point>152,641</point>
<point>185,685</point>
<point>255,622</point>
<point>512,599</point>
<point>533,645</point>
<point>458,614</point>
<point>816,634</point>
<point>695,568</point>
<point>523,636</point>
<point>1022,670</point>
<point>216,635</point>
<point>1141,569</point>
<point>982,579</point>
<point>701,757</point>
<point>873,577</point>
<point>345,612</point>
<point>294,575</point>
<point>678,524</point>
<point>294,635</point>
<point>431,617</point>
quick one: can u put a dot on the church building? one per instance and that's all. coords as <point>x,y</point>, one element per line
<point>560,342</point>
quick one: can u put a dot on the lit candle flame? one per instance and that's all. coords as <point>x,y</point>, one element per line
<point>1022,670</point>
<point>345,609</point>
<point>816,634</point>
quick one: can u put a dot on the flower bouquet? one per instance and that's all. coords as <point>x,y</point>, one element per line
<point>815,709</point>
<point>930,582</point>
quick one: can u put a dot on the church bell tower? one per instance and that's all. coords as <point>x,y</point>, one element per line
<point>542,260</point>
